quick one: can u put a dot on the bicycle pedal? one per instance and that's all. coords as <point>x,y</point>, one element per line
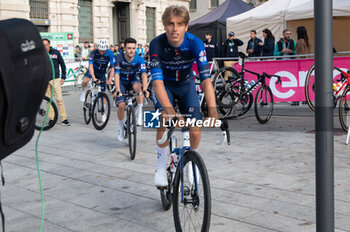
<point>161,187</point>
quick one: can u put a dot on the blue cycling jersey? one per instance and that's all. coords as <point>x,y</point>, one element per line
<point>126,70</point>
<point>99,61</point>
<point>175,64</point>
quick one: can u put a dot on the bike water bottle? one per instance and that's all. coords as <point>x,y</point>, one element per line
<point>334,86</point>
<point>339,85</point>
<point>251,83</point>
<point>245,84</point>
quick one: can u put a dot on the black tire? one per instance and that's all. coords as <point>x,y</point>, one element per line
<point>131,130</point>
<point>263,105</point>
<point>99,108</point>
<point>41,114</point>
<point>344,110</point>
<point>166,194</point>
<point>310,87</point>
<point>87,107</point>
<point>200,204</point>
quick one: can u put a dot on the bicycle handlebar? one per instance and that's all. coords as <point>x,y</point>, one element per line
<point>269,76</point>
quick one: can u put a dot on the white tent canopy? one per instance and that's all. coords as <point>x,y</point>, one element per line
<point>268,15</point>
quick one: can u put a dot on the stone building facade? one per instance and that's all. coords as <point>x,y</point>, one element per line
<point>91,20</point>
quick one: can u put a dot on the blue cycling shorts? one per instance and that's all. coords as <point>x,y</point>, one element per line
<point>126,85</point>
<point>100,76</point>
<point>186,96</point>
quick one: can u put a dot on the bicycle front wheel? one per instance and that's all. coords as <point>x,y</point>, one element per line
<point>192,197</point>
<point>344,109</point>
<point>87,108</point>
<point>263,104</point>
<point>131,130</point>
<point>100,111</point>
<point>41,114</point>
<point>310,87</point>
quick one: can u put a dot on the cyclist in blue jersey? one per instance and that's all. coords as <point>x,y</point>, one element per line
<point>172,55</point>
<point>126,77</point>
<point>98,63</point>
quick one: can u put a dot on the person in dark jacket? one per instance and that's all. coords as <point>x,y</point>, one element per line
<point>211,47</point>
<point>57,61</point>
<point>253,47</point>
<point>230,46</point>
<point>269,43</point>
<point>286,45</point>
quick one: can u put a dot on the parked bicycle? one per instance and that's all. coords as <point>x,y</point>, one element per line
<point>96,106</point>
<point>340,91</point>
<point>233,94</point>
<point>78,74</point>
<point>188,187</point>
<point>130,129</point>
<point>41,114</point>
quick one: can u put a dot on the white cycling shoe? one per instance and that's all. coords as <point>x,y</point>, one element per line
<point>121,134</point>
<point>82,96</point>
<point>160,178</point>
<point>103,118</point>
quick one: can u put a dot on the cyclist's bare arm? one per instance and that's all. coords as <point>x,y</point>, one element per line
<point>209,94</point>
<point>117,84</point>
<point>92,73</point>
<point>144,84</point>
<point>111,74</point>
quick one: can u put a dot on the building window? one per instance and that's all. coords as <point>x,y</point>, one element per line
<point>150,23</point>
<point>39,9</point>
<point>214,3</point>
<point>193,5</point>
<point>85,21</point>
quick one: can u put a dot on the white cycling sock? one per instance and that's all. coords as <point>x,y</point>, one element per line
<point>162,155</point>
<point>139,108</point>
<point>83,90</point>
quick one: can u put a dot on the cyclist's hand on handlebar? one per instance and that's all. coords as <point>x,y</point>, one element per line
<point>146,93</point>
<point>109,82</point>
<point>117,94</point>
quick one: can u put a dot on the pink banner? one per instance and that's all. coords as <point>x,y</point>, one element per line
<point>293,73</point>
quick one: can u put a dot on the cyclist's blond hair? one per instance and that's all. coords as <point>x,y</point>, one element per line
<point>172,11</point>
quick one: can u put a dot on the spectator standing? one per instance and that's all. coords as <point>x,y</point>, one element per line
<point>269,43</point>
<point>111,47</point>
<point>146,53</point>
<point>95,47</point>
<point>57,61</point>
<point>116,50</point>
<point>139,50</point>
<point>303,44</point>
<point>77,53</point>
<point>230,46</point>
<point>85,53</point>
<point>121,47</point>
<point>211,47</point>
<point>253,47</point>
<point>286,45</point>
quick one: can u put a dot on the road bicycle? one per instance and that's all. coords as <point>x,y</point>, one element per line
<point>96,106</point>
<point>41,114</point>
<point>340,91</point>
<point>130,129</point>
<point>188,187</point>
<point>233,96</point>
<point>78,74</point>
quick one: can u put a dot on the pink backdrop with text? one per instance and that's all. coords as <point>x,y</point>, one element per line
<point>293,73</point>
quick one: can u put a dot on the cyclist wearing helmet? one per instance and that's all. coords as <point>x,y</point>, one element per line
<point>98,62</point>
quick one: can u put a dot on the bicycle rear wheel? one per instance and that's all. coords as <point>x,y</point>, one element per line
<point>263,104</point>
<point>310,88</point>
<point>41,114</point>
<point>194,212</point>
<point>131,130</point>
<point>87,108</point>
<point>100,111</point>
<point>344,109</point>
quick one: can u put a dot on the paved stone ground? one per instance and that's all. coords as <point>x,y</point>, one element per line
<point>263,181</point>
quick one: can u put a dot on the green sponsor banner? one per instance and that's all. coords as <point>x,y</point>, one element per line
<point>63,42</point>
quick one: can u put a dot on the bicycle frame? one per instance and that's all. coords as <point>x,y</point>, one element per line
<point>346,77</point>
